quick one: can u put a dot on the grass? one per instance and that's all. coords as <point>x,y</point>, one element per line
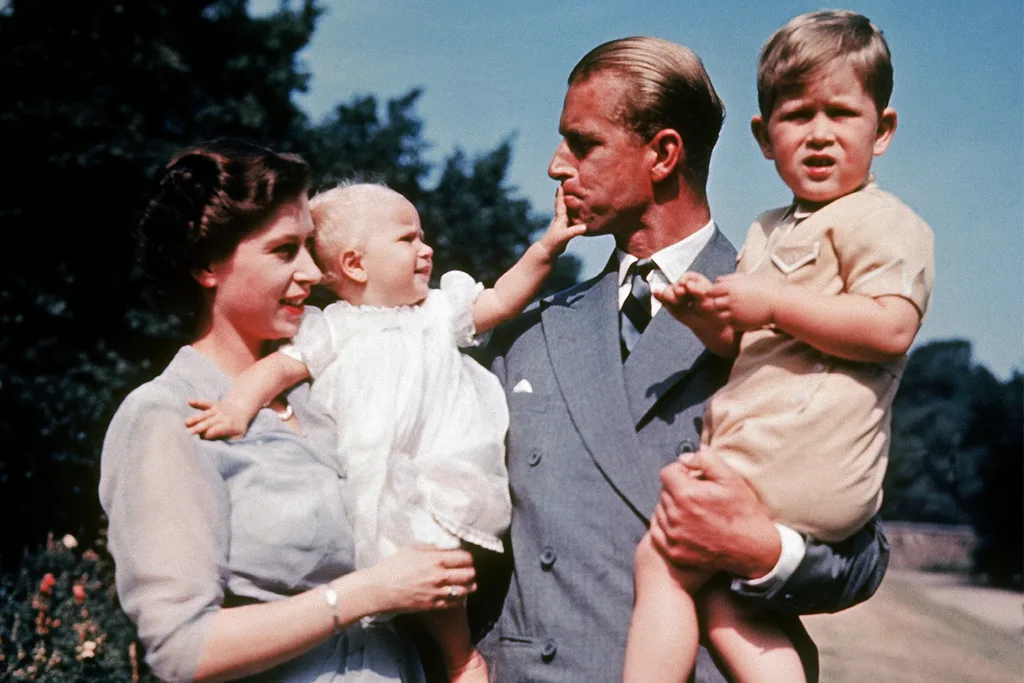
<point>902,636</point>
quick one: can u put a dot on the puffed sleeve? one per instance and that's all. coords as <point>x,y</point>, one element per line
<point>168,530</point>
<point>890,251</point>
<point>313,345</point>
<point>461,291</point>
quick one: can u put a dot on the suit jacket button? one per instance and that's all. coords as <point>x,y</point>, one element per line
<point>533,458</point>
<point>548,650</point>
<point>547,558</point>
<point>687,446</point>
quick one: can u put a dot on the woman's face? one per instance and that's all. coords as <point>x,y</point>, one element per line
<point>259,290</point>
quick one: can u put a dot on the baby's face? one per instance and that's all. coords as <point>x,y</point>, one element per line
<point>823,138</point>
<point>397,261</point>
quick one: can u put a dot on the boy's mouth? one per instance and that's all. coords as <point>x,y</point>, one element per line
<point>819,167</point>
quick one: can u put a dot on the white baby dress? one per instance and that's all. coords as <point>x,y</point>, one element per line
<point>421,426</point>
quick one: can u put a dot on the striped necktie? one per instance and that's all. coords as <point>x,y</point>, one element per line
<point>636,309</point>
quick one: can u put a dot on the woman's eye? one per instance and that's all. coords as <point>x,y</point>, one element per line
<point>287,251</point>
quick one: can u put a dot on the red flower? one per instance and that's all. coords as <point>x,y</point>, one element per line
<point>47,584</point>
<point>78,590</point>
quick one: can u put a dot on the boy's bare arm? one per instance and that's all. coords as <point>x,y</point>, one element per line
<point>520,284</point>
<point>850,326</point>
<point>250,391</point>
<point>688,301</point>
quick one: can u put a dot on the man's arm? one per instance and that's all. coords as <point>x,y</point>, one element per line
<point>710,516</point>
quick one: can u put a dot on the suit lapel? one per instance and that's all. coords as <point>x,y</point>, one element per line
<point>582,336</point>
<point>666,352</point>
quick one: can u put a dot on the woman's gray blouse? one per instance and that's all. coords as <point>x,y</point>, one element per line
<point>260,518</point>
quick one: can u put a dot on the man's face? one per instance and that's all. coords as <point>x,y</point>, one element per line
<point>604,167</point>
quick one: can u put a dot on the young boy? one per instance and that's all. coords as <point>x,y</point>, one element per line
<point>828,296</point>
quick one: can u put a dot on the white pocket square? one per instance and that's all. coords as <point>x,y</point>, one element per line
<point>523,386</point>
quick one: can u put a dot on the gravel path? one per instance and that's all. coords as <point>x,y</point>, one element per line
<point>924,628</point>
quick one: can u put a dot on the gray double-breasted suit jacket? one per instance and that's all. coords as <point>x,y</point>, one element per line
<point>587,438</point>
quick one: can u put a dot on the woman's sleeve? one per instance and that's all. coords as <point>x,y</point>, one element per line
<point>461,291</point>
<point>313,345</point>
<point>168,531</point>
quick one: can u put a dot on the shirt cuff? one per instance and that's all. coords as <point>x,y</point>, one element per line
<point>793,550</point>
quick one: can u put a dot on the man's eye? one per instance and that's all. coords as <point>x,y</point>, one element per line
<point>287,251</point>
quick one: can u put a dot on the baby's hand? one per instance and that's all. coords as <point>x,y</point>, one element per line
<point>218,420</point>
<point>558,234</point>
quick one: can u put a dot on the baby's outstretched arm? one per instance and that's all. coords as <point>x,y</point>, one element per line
<point>688,302</point>
<point>851,326</point>
<point>514,290</point>
<point>250,391</point>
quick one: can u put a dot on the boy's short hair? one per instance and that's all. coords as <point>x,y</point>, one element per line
<point>810,43</point>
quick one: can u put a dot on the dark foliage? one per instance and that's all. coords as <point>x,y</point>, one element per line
<point>98,94</point>
<point>60,621</point>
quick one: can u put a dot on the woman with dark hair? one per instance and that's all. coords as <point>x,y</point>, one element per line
<point>235,558</point>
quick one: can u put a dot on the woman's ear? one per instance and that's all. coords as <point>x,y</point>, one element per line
<point>669,154</point>
<point>351,263</point>
<point>205,277</point>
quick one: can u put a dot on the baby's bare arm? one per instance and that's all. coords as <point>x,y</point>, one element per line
<point>514,289</point>
<point>250,391</point>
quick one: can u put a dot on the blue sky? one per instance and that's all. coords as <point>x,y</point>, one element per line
<point>493,70</point>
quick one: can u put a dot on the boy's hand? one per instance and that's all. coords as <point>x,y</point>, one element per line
<point>687,299</point>
<point>745,302</point>
<point>218,420</point>
<point>558,234</point>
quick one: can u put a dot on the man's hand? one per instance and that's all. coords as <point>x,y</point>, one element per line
<point>743,301</point>
<point>218,420</point>
<point>558,234</point>
<point>710,517</point>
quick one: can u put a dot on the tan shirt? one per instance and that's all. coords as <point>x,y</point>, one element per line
<point>811,431</point>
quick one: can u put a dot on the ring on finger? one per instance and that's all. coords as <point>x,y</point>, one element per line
<point>453,592</point>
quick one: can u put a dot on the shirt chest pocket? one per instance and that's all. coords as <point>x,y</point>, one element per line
<point>790,259</point>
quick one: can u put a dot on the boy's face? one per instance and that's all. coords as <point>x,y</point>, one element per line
<point>823,137</point>
<point>395,258</point>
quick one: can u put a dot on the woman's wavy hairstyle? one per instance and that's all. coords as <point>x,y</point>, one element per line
<point>208,199</point>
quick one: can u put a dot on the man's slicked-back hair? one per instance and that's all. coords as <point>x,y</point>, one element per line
<point>669,88</point>
<point>812,43</point>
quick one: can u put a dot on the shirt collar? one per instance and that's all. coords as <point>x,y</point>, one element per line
<point>673,260</point>
<point>801,210</point>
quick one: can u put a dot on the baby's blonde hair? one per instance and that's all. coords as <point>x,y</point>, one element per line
<point>340,221</point>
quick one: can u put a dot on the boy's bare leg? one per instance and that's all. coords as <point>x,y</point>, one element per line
<point>450,628</point>
<point>754,651</point>
<point>664,633</point>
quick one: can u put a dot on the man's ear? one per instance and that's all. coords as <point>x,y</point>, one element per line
<point>669,154</point>
<point>351,262</point>
<point>760,130</point>
<point>885,130</point>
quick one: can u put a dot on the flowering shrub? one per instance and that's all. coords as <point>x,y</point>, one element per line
<point>60,620</point>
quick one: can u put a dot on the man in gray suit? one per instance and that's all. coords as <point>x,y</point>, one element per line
<point>601,401</point>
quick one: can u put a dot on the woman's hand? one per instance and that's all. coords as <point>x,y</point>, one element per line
<point>417,579</point>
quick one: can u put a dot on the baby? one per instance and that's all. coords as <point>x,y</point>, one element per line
<point>420,425</point>
<point>828,296</point>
